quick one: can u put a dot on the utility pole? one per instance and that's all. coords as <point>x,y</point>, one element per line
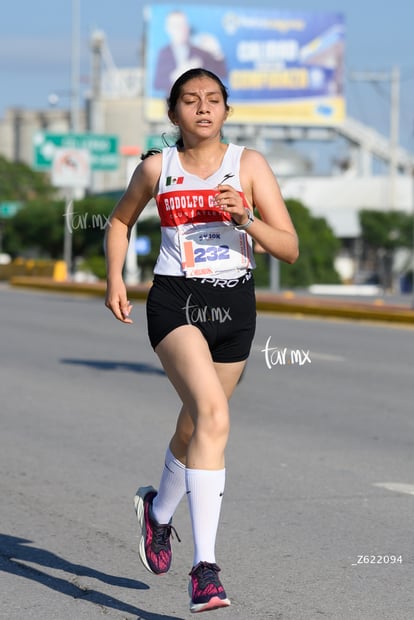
<point>95,121</point>
<point>394,132</point>
<point>74,115</point>
<point>70,193</point>
<point>393,78</point>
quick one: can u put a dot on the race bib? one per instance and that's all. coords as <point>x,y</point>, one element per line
<point>214,250</point>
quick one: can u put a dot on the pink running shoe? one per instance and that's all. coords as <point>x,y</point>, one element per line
<point>205,589</point>
<point>154,545</point>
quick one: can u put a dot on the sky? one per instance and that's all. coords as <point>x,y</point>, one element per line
<point>36,44</point>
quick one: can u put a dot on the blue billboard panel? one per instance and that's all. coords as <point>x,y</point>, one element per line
<point>281,67</point>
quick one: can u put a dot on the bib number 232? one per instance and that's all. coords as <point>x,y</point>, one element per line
<point>209,256</point>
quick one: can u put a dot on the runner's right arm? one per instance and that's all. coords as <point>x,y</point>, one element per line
<point>139,192</point>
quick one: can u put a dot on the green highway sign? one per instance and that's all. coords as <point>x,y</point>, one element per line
<point>9,209</point>
<point>103,149</point>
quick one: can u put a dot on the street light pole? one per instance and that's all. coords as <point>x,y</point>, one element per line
<point>70,193</point>
<point>74,116</point>
<point>394,133</point>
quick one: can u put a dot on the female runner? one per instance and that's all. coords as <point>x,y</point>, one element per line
<point>201,307</point>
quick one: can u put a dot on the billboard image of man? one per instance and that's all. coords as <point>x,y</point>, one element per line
<point>186,52</point>
<point>282,67</point>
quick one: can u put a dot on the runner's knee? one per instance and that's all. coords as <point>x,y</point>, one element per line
<point>213,422</point>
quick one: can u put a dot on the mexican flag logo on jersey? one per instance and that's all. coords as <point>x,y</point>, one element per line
<point>174,180</point>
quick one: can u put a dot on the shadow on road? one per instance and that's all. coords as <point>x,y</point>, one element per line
<point>16,552</point>
<point>114,365</point>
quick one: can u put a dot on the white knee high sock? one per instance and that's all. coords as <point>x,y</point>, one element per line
<point>205,490</point>
<point>171,489</point>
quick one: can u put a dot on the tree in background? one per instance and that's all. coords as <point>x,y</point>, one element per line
<point>37,229</point>
<point>18,182</point>
<point>382,233</point>
<point>318,248</point>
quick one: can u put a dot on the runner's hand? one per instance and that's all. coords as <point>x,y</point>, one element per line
<point>229,200</point>
<point>116,300</point>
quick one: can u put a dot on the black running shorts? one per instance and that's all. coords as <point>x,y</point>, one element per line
<point>223,310</point>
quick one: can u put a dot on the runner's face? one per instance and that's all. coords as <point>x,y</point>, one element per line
<point>200,108</point>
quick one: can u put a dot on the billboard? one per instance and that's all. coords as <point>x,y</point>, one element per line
<point>281,67</point>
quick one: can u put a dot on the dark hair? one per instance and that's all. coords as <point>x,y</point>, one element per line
<point>149,153</point>
<point>190,75</point>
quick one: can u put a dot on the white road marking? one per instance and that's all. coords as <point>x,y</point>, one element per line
<point>328,357</point>
<point>398,487</point>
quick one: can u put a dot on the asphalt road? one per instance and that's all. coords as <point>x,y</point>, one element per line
<point>317,519</point>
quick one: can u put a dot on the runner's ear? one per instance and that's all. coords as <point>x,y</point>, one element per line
<point>171,117</point>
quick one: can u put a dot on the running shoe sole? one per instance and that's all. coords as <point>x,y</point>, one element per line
<point>139,509</point>
<point>214,603</point>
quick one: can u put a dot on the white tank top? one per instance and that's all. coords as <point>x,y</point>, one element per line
<point>198,239</point>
